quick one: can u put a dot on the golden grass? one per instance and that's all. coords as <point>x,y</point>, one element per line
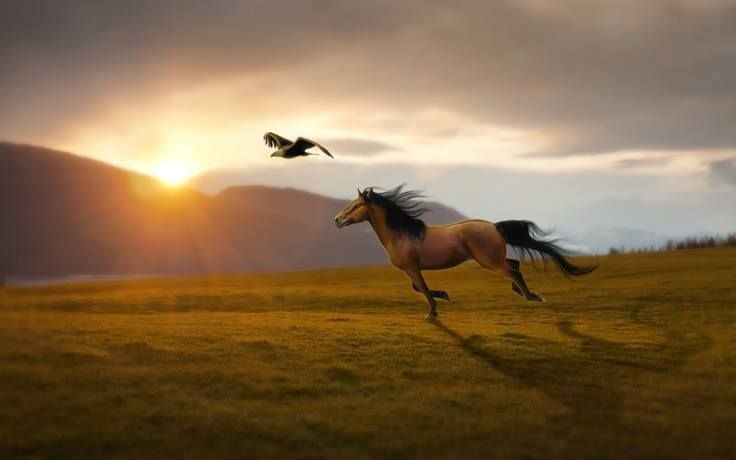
<point>636,361</point>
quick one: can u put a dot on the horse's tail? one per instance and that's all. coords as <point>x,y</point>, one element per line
<point>531,240</point>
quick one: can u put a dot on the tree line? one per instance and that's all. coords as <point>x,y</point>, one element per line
<point>708,241</point>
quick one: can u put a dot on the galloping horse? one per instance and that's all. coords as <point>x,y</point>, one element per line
<point>413,246</point>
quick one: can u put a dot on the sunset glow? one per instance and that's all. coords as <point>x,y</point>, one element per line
<point>514,95</point>
<point>174,172</point>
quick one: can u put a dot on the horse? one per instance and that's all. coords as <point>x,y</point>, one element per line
<point>413,246</point>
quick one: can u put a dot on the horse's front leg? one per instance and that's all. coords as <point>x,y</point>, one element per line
<point>418,280</point>
<point>437,294</point>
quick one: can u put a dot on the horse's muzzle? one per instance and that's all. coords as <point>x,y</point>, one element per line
<point>340,223</point>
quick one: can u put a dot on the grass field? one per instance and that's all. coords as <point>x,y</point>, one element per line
<point>637,360</point>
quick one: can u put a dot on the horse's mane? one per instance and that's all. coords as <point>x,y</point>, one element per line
<point>403,209</point>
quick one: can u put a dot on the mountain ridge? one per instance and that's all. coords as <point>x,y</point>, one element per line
<point>64,214</point>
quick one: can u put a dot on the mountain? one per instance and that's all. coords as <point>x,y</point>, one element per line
<point>601,239</point>
<point>64,214</point>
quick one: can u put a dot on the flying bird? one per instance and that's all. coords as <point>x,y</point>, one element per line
<point>289,149</point>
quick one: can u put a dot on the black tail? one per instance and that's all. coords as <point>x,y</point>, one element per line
<point>531,240</point>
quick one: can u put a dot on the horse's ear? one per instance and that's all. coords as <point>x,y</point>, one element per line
<point>359,192</point>
<point>369,192</point>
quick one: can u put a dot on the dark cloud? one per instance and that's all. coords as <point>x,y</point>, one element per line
<point>358,147</point>
<point>67,60</point>
<point>592,77</point>
<point>724,170</point>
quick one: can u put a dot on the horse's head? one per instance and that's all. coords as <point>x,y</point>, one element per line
<point>356,211</point>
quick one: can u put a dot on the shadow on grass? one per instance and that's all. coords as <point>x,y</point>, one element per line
<point>589,378</point>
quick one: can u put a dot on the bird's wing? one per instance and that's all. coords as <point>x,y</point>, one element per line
<point>303,143</point>
<point>274,140</point>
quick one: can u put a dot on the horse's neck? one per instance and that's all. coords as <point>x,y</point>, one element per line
<point>378,221</point>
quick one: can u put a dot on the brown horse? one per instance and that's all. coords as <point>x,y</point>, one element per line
<point>413,246</point>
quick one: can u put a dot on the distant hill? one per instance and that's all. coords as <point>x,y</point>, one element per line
<point>601,239</point>
<point>64,214</point>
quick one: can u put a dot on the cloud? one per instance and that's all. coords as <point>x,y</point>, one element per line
<point>590,78</point>
<point>644,162</point>
<point>358,147</point>
<point>724,170</point>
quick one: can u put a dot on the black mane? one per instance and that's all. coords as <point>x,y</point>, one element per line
<point>402,209</point>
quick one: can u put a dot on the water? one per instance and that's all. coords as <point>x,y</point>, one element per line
<point>65,279</point>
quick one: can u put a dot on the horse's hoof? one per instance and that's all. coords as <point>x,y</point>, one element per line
<point>431,316</point>
<point>534,297</point>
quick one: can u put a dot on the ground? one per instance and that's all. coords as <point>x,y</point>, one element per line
<point>638,360</point>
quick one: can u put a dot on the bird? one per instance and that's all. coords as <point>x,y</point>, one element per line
<point>288,149</point>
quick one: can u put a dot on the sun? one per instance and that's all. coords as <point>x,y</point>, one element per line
<point>174,172</point>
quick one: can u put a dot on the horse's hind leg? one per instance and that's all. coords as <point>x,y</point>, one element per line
<point>518,279</point>
<point>515,265</point>
<point>437,294</point>
<point>495,259</point>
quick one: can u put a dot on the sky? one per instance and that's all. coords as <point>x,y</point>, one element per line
<point>578,114</point>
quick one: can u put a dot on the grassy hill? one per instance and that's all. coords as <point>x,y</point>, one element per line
<point>636,361</point>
